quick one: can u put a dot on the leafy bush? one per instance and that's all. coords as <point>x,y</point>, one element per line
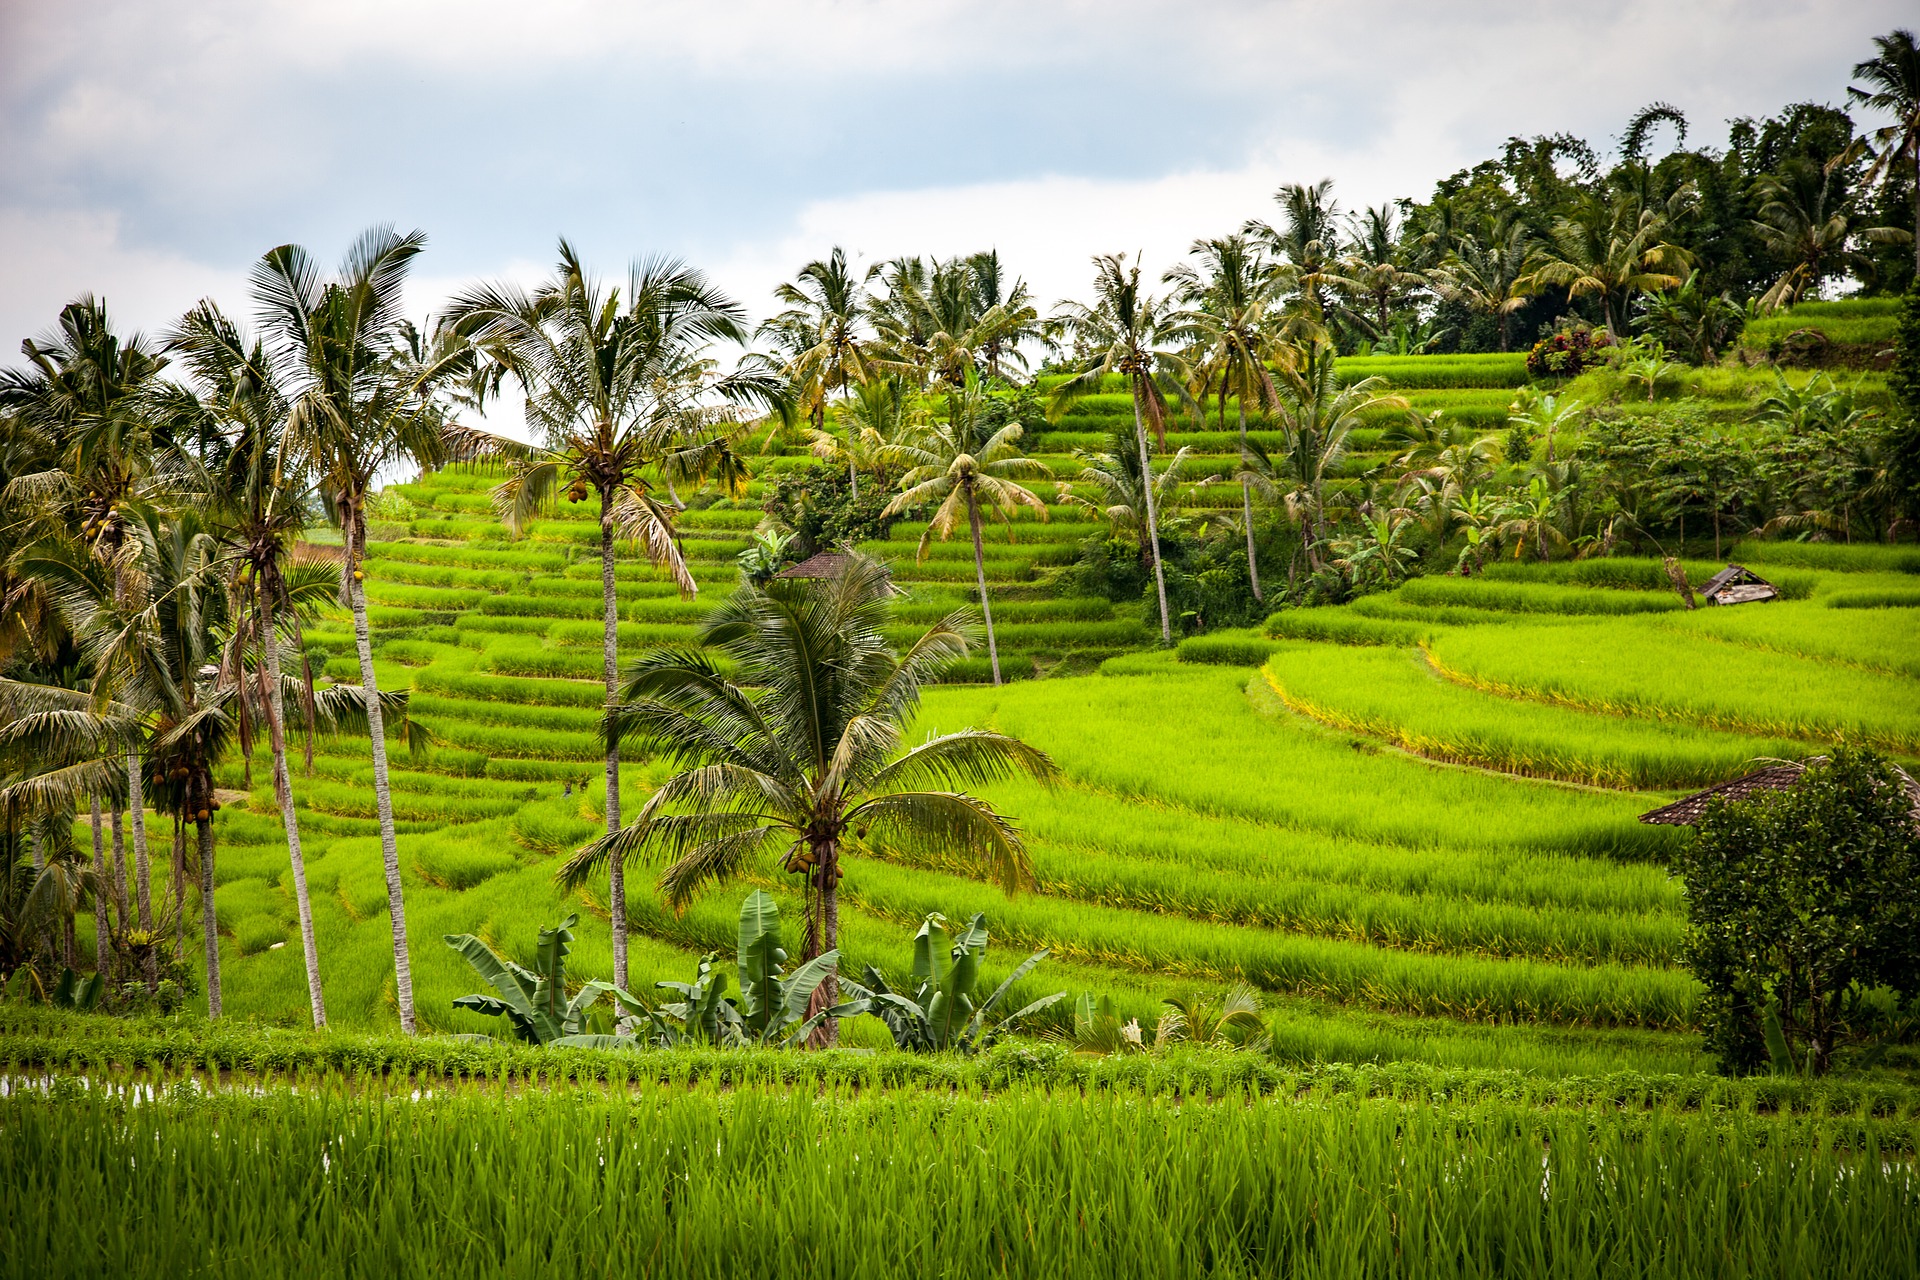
<point>816,504</point>
<point>1803,902</point>
<point>1569,353</point>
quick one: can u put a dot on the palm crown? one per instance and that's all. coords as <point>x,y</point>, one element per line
<point>799,750</point>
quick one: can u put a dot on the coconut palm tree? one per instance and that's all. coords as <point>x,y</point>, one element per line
<point>621,396</point>
<point>1545,415</point>
<point>260,500</point>
<point>1378,277</point>
<point>798,750</point>
<point>822,335</point>
<point>1485,274</point>
<point>1893,86</point>
<point>1804,222</point>
<point>85,413</point>
<point>1316,417</point>
<point>359,405</point>
<point>1009,320</point>
<point>1306,246</point>
<point>1612,253</point>
<point>964,467</point>
<point>1114,475</point>
<point>1135,335</point>
<point>1228,297</point>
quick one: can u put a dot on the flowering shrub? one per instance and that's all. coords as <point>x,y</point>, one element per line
<point>1569,352</point>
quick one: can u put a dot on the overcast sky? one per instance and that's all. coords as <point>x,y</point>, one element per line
<point>152,151</point>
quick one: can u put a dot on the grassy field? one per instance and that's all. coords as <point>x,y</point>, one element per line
<point>1409,822</point>
<point>261,1154</point>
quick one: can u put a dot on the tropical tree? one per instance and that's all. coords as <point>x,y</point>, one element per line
<point>964,465</point>
<point>938,322</point>
<point>85,454</point>
<point>800,747</point>
<point>359,403</point>
<point>1009,320</point>
<point>1893,86</point>
<point>1486,274</point>
<point>821,335</point>
<point>1378,279</point>
<point>259,501</point>
<point>1807,224</point>
<point>1132,334</point>
<point>1120,497</point>
<point>1612,254</point>
<point>1544,415</point>
<point>1530,521</point>
<point>1228,296</point>
<point>1316,417</point>
<point>1695,323</point>
<point>1306,246</point>
<point>620,395</point>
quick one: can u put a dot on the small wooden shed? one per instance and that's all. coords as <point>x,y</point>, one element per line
<point>1737,584</point>
<point>1688,811</point>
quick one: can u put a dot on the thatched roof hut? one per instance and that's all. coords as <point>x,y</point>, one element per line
<point>1688,811</point>
<point>823,564</point>
<point>1737,584</point>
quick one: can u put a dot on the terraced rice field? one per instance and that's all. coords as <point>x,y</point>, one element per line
<point>1409,822</point>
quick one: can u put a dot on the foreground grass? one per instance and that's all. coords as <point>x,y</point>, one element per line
<point>338,1155</point>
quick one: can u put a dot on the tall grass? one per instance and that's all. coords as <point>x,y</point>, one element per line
<point>1514,597</point>
<point>1636,667</point>
<point>1459,986</point>
<point>1885,639</point>
<point>1851,557</point>
<point>764,1181</point>
<point>1393,695</point>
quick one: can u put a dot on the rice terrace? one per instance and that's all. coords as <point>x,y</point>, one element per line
<point>1386,747</point>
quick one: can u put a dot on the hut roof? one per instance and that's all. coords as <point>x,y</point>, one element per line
<point>824,564</point>
<point>1688,811</point>
<point>1737,584</point>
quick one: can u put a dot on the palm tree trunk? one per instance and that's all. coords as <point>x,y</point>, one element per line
<point>137,811</point>
<point>209,921</point>
<point>102,925</point>
<point>119,868</point>
<point>177,880</point>
<point>39,851</point>
<point>853,471</point>
<point>610,669</point>
<point>980,577</point>
<point>382,792</point>
<point>1153,519</point>
<point>1246,505</point>
<point>826,885</point>
<point>283,793</point>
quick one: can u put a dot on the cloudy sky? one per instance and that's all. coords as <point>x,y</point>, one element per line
<point>152,151</point>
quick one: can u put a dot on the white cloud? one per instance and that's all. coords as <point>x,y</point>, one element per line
<point>54,257</point>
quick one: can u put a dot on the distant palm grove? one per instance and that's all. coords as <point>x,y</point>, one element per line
<point>1272,658</point>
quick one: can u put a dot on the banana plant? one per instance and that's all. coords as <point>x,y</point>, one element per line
<point>773,1003</point>
<point>535,1000</point>
<point>944,1011</point>
<point>704,1013</point>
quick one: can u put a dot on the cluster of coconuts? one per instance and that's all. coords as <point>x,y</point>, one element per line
<point>98,523</point>
<point>577,491</point>
<point>180,773</point>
